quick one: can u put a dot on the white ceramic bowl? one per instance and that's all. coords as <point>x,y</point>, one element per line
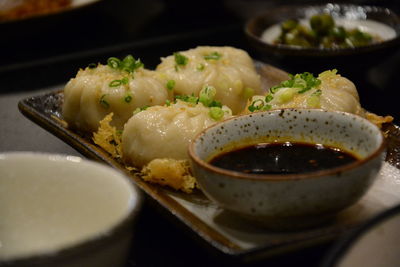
<point>288,201</point>
<point>59,210</point>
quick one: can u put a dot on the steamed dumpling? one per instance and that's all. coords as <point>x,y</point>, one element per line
<point>96,92</point>
<point>230,70</point>
<point>329,91</point>
<point>164,131</point>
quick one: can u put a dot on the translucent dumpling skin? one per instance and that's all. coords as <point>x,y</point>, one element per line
<point>96,92</point>
<point>230,70</point>
<point>332,92</point>
<point>163,132</point>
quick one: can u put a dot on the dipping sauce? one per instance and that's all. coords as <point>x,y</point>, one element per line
<point>282,158</point>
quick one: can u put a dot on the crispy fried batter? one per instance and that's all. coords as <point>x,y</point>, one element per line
<point>166,172</point>
<point>378,120</point>
<point>170,172</point>
<point>108,137</point>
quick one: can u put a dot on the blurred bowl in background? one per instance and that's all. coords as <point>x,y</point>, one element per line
<point>64,211</point>
<point>375,243</point>
<point>294,58</point>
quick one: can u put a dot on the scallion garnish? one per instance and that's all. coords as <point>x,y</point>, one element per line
<point>128,64</point>
<point>137,110</point>
<point>268,98</point>
<point>216,113</point>
<point>303,81</point>
<point>259,105</point>
<point>103,101</point>
<point>180,59</point>
<point>128,98</point>
<point>256,105</point>
<point>167,103</point>
<point>125,80</point>
<point>213,56</point>
<point>114,62</point>
<point>170,84</point>
<point>188,98</point>
<point>206,95</point>
<point>115,83</point>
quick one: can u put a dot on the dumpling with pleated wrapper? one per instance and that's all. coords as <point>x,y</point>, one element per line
<point>156,139</point>
<point>229,70</point>
<point>166,131</point>
<point>119,87</point>
<point>328,91</point>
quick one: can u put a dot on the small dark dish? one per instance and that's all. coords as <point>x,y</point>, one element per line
<point>293,58</point>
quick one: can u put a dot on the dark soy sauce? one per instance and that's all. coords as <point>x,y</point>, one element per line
<point>282,158</point>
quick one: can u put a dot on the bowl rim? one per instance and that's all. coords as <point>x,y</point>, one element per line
<point>284,177</point>
<point>94,242</point>
<point>314,51</point>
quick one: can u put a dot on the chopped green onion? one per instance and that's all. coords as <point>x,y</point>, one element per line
<point>200,67</point>
<point>168,103</point>
<point>273,89</point>
<point>137,110</point>
<point>114,63</point>
<point>256,105</point>
<point>303,81</point>
<point>216,113</point>
<point>213,56</point>
<point>267,107</point>
<point>180,59</point>
<point>115,83</point>
<point>215,103</point>
<point>170,84</point>
<point>268,98</point>
<point>103,102</point>
<point>188,98</point>
<point>128,98</point>
<point>206,95</point>
<point>128,64</point>
<point>125,80</point>
<point>92,66</point>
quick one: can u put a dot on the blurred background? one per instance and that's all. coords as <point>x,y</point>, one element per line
<point>42,50</point>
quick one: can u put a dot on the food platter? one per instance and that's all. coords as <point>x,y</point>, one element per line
<point>221,231</point>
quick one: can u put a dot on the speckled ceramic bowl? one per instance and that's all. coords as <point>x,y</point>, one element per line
<point>59,210</point>
<point>289,201</point>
